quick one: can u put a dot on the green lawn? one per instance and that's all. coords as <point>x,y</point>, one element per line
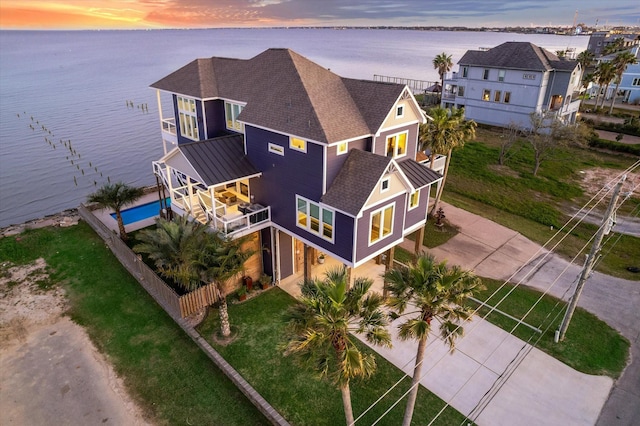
<point>297,394</point>
<point>164,371</point>
<point>536,205</point>
<point>590,345</point>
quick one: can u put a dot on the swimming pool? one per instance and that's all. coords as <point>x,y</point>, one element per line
<point>141,212</point>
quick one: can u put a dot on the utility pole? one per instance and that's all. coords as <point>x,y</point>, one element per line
<point>591,258</point>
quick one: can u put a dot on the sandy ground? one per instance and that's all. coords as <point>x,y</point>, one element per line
<point>50,372</point>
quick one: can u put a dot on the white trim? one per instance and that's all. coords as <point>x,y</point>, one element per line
<point>295,148</point>
<point>400,110</point>
<point>346,148</point>
<point>386,181</point>
<point>395,148</point>
<point>377,252</point>
<point>276,149</point>
<point>321,223</point>
<point>381,210</point>
<point>409,207</point>
<point>415,227</point>
<point>397,126</point>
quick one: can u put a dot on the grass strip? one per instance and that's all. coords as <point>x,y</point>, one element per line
<point>299,396</point>
<point>590,346</point>
<point>163,370</point>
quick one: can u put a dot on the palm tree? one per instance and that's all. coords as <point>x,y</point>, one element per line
<point>191,254</point>
<point>442,62</point>
<point>173,246</point>
<point>446,131</point>
<point>604,74</point>
<point>585,59</point>
<point>620,63</point>
<point>116,196</point>
<point>221,259</point>
<point>320,326</point>
<point>430,290</point>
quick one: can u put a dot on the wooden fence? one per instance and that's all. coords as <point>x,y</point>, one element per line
<point>177,306</point>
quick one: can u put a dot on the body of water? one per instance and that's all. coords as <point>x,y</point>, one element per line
<point>76,109</point>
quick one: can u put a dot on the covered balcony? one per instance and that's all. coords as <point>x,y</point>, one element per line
<point>210,181</point>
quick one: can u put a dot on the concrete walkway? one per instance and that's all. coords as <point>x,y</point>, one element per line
<point>491,376</point>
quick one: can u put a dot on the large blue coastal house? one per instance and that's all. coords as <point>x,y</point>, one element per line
<point>307,161</point>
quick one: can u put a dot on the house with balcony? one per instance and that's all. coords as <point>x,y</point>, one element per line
<point>304,160</point>
<point>505,84</point>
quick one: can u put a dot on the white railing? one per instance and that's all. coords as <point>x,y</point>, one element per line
<point>169,126</point>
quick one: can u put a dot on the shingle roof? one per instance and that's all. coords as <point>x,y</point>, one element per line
<point>355,181</point>
<point>418,174</point>
<point>517,55</point>
<point>219,160</point>
<point>287,92</point>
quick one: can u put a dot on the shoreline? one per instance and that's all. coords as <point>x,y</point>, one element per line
<point>65,218</point>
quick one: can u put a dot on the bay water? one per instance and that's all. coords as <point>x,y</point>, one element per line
<point>76,110</point>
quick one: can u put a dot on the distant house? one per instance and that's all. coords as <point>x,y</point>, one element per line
<point>599,40</point>
<point>304,160</point>
<point>505,84</point>
<point>629,89</point>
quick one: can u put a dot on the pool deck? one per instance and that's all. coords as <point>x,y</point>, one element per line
<point>105,215</point>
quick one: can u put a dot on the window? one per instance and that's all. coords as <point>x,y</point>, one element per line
<point>381,224</point>
<point>497,95</point>
<point>636,82</point>
<point>414,199</point>
<point>461,91</point>
<point>384,185</point>
<point>232,111</point>
<point>397,145</point>
<point>501,75</point>
<point>188,118</point>
<point>276,149</point>
<point>314,218</point>
<point>486,95</point>
<point>485,75</point>
<point>400,111</point>
<point>465,72</point>
<point>507,97</point>
<point>342,148</point>
<point>528,76</point>
<point>298,144</point>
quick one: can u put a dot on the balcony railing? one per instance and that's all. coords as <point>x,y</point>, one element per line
<point>169,126</point>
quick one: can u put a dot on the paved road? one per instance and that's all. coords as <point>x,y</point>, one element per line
<point>494,251</point>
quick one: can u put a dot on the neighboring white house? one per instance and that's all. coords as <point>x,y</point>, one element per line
<point>505,84</point>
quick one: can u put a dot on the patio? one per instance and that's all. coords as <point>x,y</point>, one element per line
<point>370,270</point>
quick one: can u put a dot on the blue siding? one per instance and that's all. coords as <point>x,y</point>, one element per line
<point>419,214</point>
<point>284,177</point>
<point>335,162</point>
<point>363,249</point>
<point>216,125</point>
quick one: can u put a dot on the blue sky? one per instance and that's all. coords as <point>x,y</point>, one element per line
<point>260,13</point>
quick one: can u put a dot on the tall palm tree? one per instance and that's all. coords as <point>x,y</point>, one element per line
<point>604,74</point>
<point>442,62</point>
<point>446,131</point>
<point>320,326</point>
<point>430,291</point>
<point>585,59</point>
<point>116,196</point>
<point>620,63</point>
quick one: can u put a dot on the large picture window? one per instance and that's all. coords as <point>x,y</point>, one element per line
<point>314,218</point>
<point>397,145</point>
<point>232,111</point>
<point>381,224</point>
<point>188,118</point>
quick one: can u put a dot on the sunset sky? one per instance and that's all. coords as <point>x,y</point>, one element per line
<point>105,14</point>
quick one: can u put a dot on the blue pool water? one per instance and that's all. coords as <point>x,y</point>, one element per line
<point>141,212</point>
